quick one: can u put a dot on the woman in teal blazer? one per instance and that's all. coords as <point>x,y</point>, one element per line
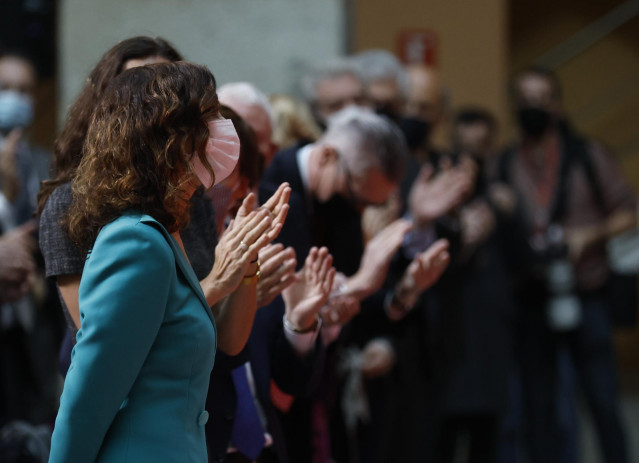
<point>136,388</point>
<point>137,385</point>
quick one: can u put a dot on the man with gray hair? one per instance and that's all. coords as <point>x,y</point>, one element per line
<point>253,106</point>
<point>332,87</point>
<point>359,161</point>
<point>385,81</point>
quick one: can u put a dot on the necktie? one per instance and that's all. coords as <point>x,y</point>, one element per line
<point>247,435</point>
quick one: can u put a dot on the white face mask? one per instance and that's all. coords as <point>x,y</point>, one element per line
<point>16,110</point>
<point>222,153</point>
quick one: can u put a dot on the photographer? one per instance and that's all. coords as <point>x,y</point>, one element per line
<point>571,200</point>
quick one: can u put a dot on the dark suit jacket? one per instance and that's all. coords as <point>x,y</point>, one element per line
<point>334,224</point>
<point>272,359</point>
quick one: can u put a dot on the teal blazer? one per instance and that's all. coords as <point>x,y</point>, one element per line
<point>139,375</point>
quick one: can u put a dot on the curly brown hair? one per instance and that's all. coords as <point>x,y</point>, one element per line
<point>138,148</point>
<point>68,146</point>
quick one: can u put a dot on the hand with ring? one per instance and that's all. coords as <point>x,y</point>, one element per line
<point>238,247</point>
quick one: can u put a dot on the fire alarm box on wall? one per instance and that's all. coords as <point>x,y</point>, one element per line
<point>418,46</point>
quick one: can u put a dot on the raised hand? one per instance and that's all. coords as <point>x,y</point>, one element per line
<point>423,272</point>
<point>432,196</point>
<point>277,205</point>
<point>246,235</point>
<point>277,268</point>
<point>503,197</point>
<point>237,248</point>
<point>378,358</point>
<point>376,260</point>
<point>375,218</point>
<point>306,296</point>
<point>339,310</point>
<point>477,223</point>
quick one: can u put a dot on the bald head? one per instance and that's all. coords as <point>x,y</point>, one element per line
<point>425,99</point>
<point>252,106</point>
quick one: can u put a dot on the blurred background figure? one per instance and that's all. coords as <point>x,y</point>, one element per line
<point>440,72</point>
<point>475,370</point>
<point>474,134</point>
<point>385,81</point>
<point>425,108</point>
<point>22,165</point>
<point>572,201</point>
<point>253,106</point>
<point>29,330</point>
<point>294,123</point>
<point>227,196</point>
<point>332,87</point>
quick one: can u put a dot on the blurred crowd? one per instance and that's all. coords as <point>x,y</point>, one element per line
<point>471,291</point>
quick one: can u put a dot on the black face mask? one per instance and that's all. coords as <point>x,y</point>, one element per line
<point>416,131</point>
<point>388,111</point>
<point>534,121</point>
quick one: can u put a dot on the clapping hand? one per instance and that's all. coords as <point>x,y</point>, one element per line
<point>376,218</point>
<point>246,235</point>
<point>477,223</point>
<point>423,272</point>
<point>432,196</point>
<point>310,291</point>
<point>277,267</point>
<point>339,310</point>
<point>376,259</point>
<point>378,358</point>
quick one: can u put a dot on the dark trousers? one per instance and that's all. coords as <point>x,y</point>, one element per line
<point>482,431</point>
<point>267,456</point>
<point>591,351</point>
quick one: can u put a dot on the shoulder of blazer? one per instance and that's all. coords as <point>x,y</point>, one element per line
<point>132,225</point>
<point>180,259</point>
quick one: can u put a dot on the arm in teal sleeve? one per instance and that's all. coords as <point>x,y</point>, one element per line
<point>123,297</point>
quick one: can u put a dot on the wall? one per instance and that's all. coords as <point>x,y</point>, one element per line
<point>268,43</point>
<point>601,94</point>
<point>472,43</point>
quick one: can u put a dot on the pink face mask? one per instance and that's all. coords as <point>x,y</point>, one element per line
<point>222,152</point>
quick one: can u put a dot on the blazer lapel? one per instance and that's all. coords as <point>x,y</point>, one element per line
<point>183,264</point>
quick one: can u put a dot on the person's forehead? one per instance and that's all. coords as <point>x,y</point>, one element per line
<point>534,85</point>
<point>253,114</point>
<point>343,83</point>
<point>384,88</point>
<point>16,71</point>
<point>136,62</point>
